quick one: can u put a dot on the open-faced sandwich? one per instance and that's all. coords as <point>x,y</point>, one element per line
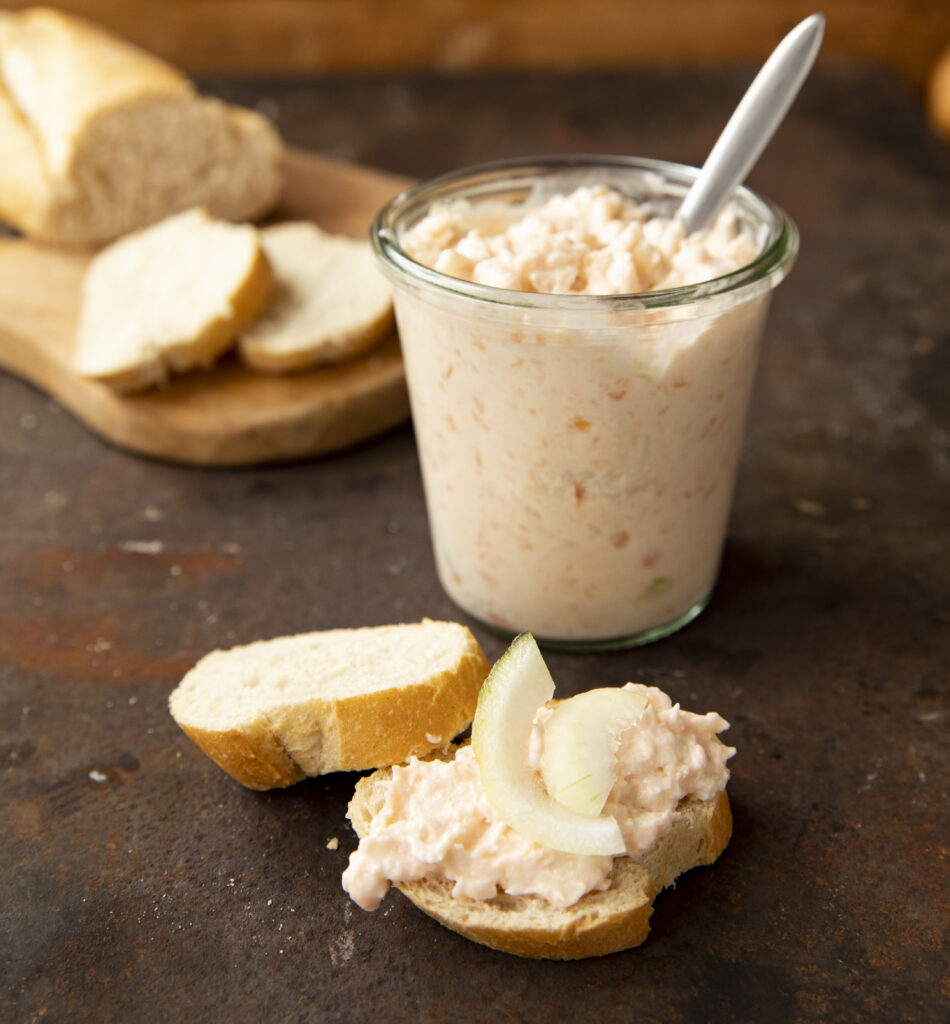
<point>550,835</point>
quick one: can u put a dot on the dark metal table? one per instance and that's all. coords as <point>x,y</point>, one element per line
<point>140,884</point>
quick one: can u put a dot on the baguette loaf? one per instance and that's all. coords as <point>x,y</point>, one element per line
<point>331,302</point>
<point>277,711</point>
<point>98,138</point>
<point>169,298</point>
<point>599,923</point>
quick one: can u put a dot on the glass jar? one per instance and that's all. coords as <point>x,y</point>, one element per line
<point>579,452</point>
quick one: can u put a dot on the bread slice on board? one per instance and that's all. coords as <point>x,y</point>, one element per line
<point>277,711</point>
<point>330,302</point>
<point>99,138</point>
<point>169,298</point>
<point>600,922</point>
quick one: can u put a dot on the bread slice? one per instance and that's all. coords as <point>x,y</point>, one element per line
<point>98,138</point>
<point>276,711</point>
<point>600,922</point>
<point>169,298</point>
<point>331,302</point>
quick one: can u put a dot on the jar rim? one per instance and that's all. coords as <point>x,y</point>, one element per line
<point>776,255</point>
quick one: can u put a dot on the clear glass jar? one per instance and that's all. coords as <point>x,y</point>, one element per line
<point>579,452</point>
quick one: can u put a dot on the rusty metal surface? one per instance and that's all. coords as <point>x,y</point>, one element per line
<point>140,884</point>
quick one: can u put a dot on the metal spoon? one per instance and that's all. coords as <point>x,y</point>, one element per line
<point>753,123</point>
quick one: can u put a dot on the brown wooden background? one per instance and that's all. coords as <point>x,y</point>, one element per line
<point>297,36</point>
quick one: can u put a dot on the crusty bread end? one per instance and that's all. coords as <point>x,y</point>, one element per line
<point>98,138</point>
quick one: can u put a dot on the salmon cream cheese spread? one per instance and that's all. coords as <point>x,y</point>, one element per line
<point>437,823</point>
<point>592,241</point>
<point>578,465</point>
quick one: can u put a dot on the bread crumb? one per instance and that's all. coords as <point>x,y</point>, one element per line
<point>342,949</point>
<point>333,843</point>
<point>142,547</point>
<point>807,507</point>
<point>98,776</point>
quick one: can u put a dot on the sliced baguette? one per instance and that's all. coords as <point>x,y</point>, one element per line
<point>169,298</point>
<point>330,304</point>
<point>120,138</point>
<point>277,711</point>
<point>600,922</point>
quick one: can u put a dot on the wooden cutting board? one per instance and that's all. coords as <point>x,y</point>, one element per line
<point>225,416</point>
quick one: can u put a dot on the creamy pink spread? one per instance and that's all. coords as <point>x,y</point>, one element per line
<point>593,241</point>
<point>437,823</point>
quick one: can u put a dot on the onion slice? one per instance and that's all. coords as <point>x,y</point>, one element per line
<point>518,684</point>
<point>578,763</point>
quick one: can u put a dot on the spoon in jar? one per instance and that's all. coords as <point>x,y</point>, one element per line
<point>753,123</point>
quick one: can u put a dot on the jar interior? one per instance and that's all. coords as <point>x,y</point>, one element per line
<point>657,185</point>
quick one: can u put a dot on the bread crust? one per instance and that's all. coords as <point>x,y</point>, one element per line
<point>67,71</point>
<point>75,101</point>
<point>255,757</point>
<point>599,923</point>
<point>353,733</point>
<point>25,188</point>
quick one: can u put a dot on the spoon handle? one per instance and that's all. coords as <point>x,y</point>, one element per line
<point>753,123</point>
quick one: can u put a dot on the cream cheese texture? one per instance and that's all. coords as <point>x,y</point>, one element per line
<point>437,823</point>
<point>592,241</point>
<point>578,473</point>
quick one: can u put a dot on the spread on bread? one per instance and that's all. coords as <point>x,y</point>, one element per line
<point>433,829</point>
